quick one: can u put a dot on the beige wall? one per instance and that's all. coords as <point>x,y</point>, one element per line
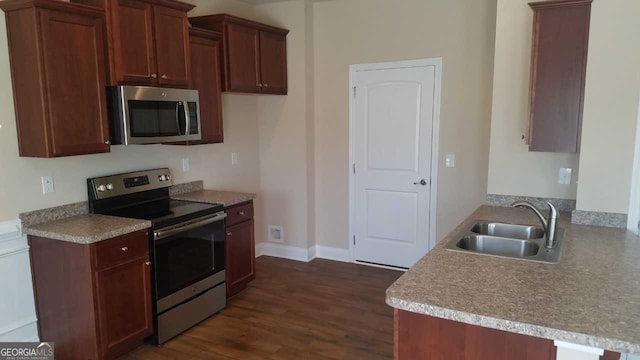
<point>20,188</point>
<point>365,31</point>
<point>611,107</point>
<point>513,170</point>
<point>283,134</point>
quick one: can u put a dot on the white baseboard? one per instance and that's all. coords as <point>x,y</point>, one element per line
<point>302,254</point>
<point>282,251</point>
<point>331,253</point>
<point>17,309</point>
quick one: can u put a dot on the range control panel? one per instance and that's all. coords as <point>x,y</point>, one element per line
<point>123,184</point>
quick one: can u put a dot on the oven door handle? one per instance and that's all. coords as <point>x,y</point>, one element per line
<point>163,234</point>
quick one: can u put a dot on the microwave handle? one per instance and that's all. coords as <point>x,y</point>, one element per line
<point>178,117</point>
<point>187,117</point>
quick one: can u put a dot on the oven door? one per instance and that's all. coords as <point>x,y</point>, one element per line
<point>149,115</point>
<point>188,259</point>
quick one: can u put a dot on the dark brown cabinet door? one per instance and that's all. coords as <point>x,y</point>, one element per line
<point>74,85</point>
<point>172,46</point>
<point>240,256</point>
<point>559,63</point>
<point>242,60</point>
<point>123,297</point>
<point>132,36</point>
<point>205,77</point>
<point>273,63</point>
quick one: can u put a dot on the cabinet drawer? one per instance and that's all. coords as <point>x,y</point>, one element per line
<point>121,249</point>
<point>239,213</point>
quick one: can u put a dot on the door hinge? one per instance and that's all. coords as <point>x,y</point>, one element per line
<point>354,168</point>
<point>354,92</point>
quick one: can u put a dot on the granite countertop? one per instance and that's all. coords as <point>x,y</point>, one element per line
<point>591,297</point>
<point>226,198</point>
<point>87,228</point>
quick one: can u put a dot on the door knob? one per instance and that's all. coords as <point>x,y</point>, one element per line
<point>422,182</point>
<point>164,76</point>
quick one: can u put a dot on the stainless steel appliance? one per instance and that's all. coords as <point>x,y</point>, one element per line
<point>186,243</point>
<point>151,115</point>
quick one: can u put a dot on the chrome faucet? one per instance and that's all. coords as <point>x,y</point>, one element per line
<point>550,225</point>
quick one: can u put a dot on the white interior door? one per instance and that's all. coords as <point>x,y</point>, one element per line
<point>393,113</point>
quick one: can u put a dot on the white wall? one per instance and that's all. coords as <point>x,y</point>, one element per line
<point>513,170</point>
<point>611,107</point>
<point>365,31</point>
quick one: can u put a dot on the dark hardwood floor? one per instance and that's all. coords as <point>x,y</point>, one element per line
<point>293,310</point>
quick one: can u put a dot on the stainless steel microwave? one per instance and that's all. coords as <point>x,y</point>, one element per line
<point>151,115</point>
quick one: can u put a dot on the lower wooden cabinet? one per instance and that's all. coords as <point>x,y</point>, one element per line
<point>422,337</point>
<point>240,248</point>
<point>93,301</point>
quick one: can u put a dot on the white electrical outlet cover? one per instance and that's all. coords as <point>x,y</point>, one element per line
<point>186,166</point>
<point>234,158</point>
<point>47,184</point>
<point>564,176</point>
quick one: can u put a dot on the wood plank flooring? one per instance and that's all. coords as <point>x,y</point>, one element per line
<point>294,310</point>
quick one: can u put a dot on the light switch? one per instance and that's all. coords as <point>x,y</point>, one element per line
<point>450,161</point>
<point>186,165</point>
<point>234,158</point>
<point>564,176</point>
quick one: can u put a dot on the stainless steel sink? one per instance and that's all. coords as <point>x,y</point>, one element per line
<point>498,246</point>
<point>522,242</point>
<point>524,232</point>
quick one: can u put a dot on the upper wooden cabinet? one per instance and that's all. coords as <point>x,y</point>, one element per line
<point>148,41</point>
<point>558,71</point>
<point>57,57</point>
<point>205,77</point>
<point>254,54</point>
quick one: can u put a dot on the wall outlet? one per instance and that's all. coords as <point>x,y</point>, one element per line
<point>186,165</point>
<point>47,185</point>
<point>276,234</point>
<point>234,158</point>
<point>564,176</point>
<point>450,160</point>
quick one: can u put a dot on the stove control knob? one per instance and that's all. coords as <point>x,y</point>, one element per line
<point>167,177</point>
<point>110,186</point>
<point>101,188</point>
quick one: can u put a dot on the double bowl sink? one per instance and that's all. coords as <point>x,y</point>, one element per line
<point>523,242</point>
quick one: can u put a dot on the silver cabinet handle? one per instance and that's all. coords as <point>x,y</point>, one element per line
<point>125,249</point>
<point>229,234</point>
<point>266,85</point>
<point>154,76</point>
<point>148,263</point>
<point>422,182</point>
<point>259,85</point>
<point>108,142</point>
<point>164,76</point>
<point>241,213</point>
<point>170,231</point>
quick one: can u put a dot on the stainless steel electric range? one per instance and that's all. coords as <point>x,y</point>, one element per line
<point>186,244</point>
